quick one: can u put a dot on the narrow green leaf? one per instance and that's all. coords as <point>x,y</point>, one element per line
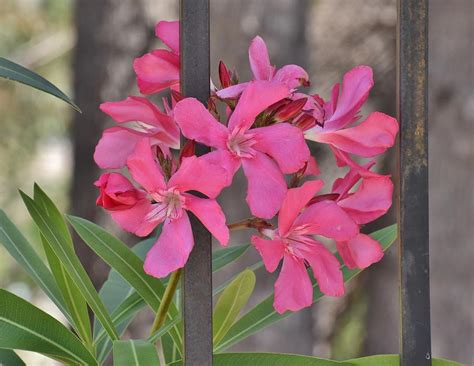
<point>163,330</point>
<point>231,302</point>
<point>116,254</point>
<point>126,263</point>
<point>22,251</point>
<point>53,234</point>
<point>217,290</point>
<point>75,302</point>
<point>393,360</point>
<point>122,316</point>
<point>8,357</point>
<point>72,296</point>
<point>135,353</point>
<point>24,326</point>
<point>12,71</point>
<point>223,257</point>
<point>263,315</point>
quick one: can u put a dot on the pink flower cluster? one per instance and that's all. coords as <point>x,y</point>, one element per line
<point>266,130</point>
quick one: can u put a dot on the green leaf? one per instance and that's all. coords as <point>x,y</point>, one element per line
<point>126,263</point>
<point>51,230</point>
<point>135,353</point>
<point>217,290</point>
<point>116,254</point>
<point>75,302</point>
<point>231,302</point>
<point>24,326</point>
<point>10,358</point>
<point>393,360</point>
<point>263,315</point>
<point>72,296</point>
<point>22,251</point>
<point>13,71</point>
<point>163,330</point>
<point>223,257</point>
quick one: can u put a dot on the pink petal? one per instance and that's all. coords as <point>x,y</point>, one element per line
<point>198,124</point>
<point>343,159</point>
<point>326,269</point>
<point>355,90</point>
<point>171,251</point>
<point>197,174</point>
<point>326,218</point>
<point>210,214</point>
<point>372,199</point>
<point>293,288</point>
<point>266,186</point>
<point>271,251</point>
<point>293,76</point>
<point>360,252</point>
<point>144,169</point>
<point>114,147</point>
<point>295,200</point>
<point>284,143</point>
<point>256,97</point>
<point>148,88</point>
<point>134,219</point>
<point>343,185</point>
<point>168,32</point>
<point>369,138</point>
<point>232,92</point>
<point>139,109</point>
<point>224,159</point>
<point>312,168</point>
<point>259,60</point>
<point>117,192</point>
<point>159,67</point>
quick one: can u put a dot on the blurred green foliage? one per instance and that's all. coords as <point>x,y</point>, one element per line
<point>34,144</point>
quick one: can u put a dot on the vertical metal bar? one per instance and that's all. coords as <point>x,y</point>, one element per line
<point>412,94</point>
<point>197,280</point>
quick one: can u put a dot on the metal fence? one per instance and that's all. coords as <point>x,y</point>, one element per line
<point>412,67</point>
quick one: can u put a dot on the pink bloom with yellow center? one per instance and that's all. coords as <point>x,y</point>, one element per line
<point>266,153</point>
<point>294,243</point>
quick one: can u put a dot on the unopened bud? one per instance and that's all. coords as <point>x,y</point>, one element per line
<point>187,150</point>
<point>289,110</point>
<point>305,121</point>
<point>176,96</point>
<point>224,75</point>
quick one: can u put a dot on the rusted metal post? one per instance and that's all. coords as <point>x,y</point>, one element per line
<point>197,281</point>
<point>413,221</point>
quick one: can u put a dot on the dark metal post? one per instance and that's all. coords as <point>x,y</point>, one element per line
<point>197,281</point>
<point>413,220</point>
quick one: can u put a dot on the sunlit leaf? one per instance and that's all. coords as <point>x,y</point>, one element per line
<point>12,71</point>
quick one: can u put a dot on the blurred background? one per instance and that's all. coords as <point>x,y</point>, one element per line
<point>86,47</point>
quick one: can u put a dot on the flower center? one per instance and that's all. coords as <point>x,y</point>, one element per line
<point>170,204</point>
<point>240,144</point>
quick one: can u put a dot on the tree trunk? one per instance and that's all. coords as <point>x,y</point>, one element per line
<point>110,33</point>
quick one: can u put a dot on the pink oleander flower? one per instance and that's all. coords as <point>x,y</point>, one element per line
<point>334,120</point>
<point>294,242</point>
<point>371,200</point>
<point>117,192</point>
<point>159,69</point>
<point>167,202</point>
<point>137,118</point>
<point>291,76</point>
<point>265,153</point>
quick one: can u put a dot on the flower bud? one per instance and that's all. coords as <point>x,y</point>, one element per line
<point>305,121</point>
<point>290,110</point>
<point>224,75</point>
<point>117,192</point>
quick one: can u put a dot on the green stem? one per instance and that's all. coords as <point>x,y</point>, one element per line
<point>166,301</point>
